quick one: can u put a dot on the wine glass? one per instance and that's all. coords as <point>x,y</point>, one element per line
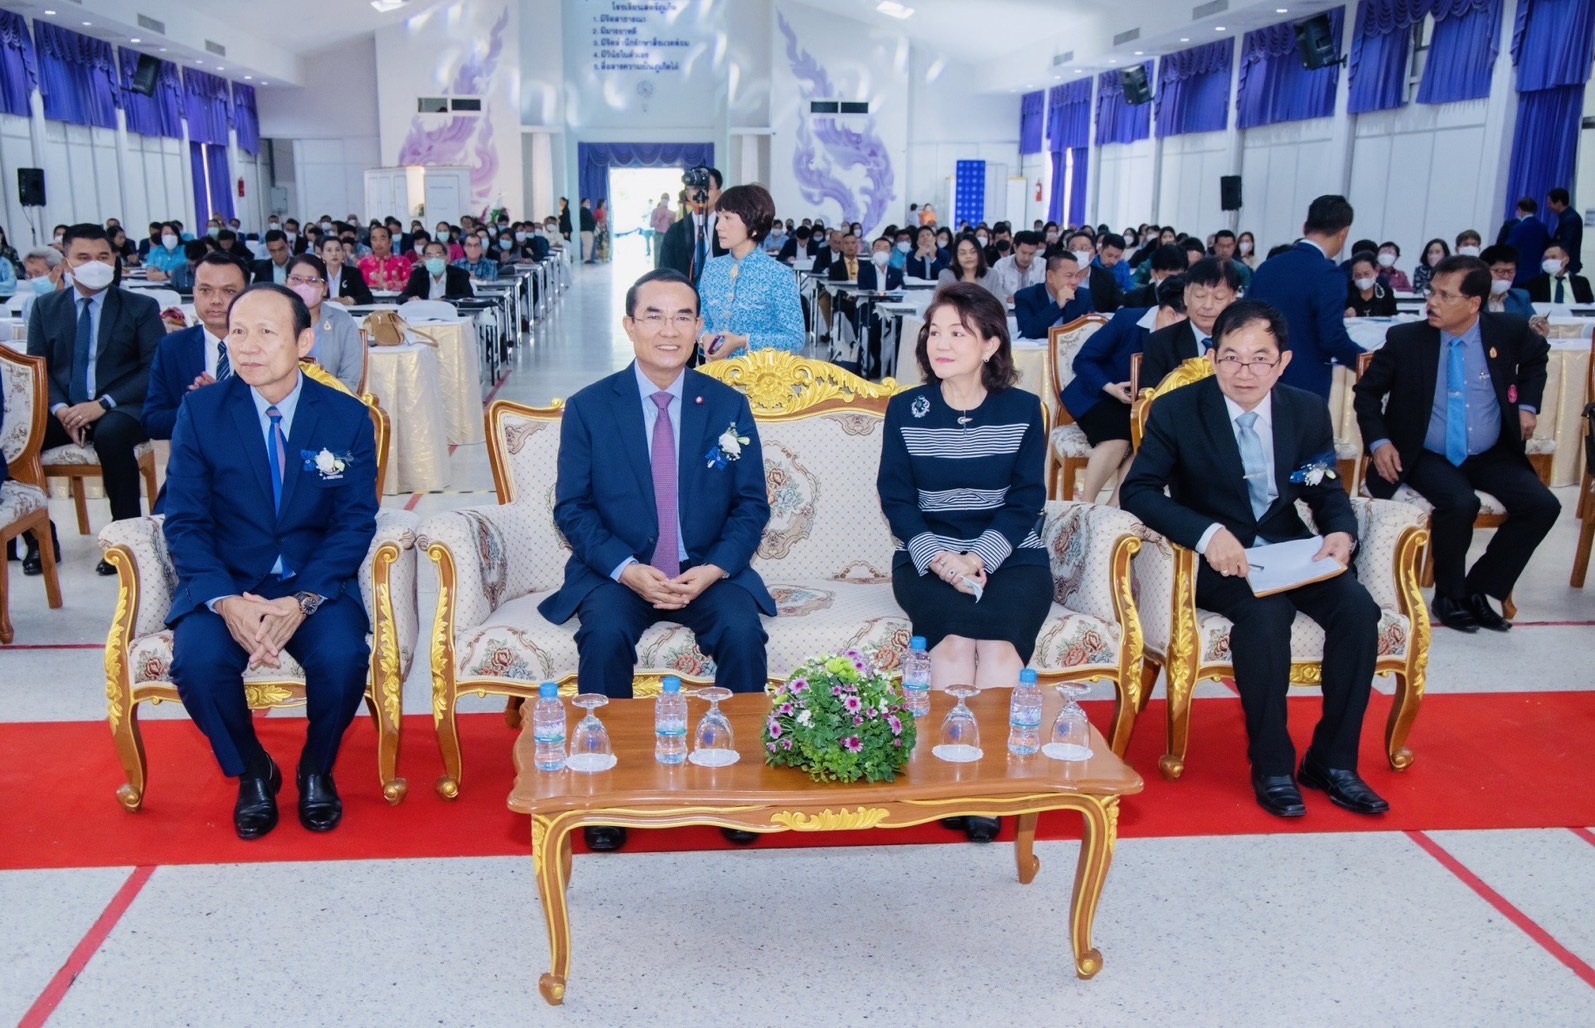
<point>1071,732</point>
<point>589,746</point>
<point>712,744</point>
<point>960,735</point>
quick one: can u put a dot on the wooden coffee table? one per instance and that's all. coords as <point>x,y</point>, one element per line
<point>642,793</point>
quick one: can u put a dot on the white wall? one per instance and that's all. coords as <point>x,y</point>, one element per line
<point>1282,168</point>
<point>325,132</point>
<point>1122,173</point>
<point>1413,176</point>
<point>1188,182</point>
<point>949,123</point>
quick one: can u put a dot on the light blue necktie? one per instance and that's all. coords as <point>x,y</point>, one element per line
<point>277,455</point>
<point>1456,405</point>
<point>1203,344</point>
<point>1259,477</point>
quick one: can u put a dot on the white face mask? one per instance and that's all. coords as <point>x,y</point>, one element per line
<point>1366,284</point>
<point>170,242</point>
<point>904,247</point>
<point>1052,237</point>
<point>1387,260</point>
<point>326,226</point>
<point>292,236</point>
<point>1499,286</point>
<point>1082,257</point>
<point>272,225</point>
<point>93,275</point>
<point>1551,266</point>
<point>881,258</point>
<point>1244,247</point>
<point>981,240</point>
<point>1468,251</point>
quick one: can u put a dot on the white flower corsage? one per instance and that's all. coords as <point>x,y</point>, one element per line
<point>326,463</point>
<point>727,448</point>
<point>1315,470</point>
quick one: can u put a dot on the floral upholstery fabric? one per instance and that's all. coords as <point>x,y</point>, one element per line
<point>1537,446</point>
<point>1306,638</point>
<point>1488,505</point>
<point>1080,539</point>
<point>16,384</point>
<point>1069,344</point>
<point>18,500</point>
<point>1070,441</point>
<point>85,455</point>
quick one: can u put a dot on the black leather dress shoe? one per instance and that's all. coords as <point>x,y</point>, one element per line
<point>104,568</point>
<point>1278,795</point>
<point>32,563</point>
<point>604,838</point>
<point>255,813</point>
<point>320,808</point>
<point>1345,788</point>
<point>1479,606</point>
<point>1453,614</point>
<point>982,829</point>
<point>737,837</point>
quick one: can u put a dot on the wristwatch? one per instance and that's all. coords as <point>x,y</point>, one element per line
<point>309,603</point>
<point>106,403</point>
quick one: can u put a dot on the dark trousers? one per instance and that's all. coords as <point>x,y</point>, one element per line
<point>724,618</point>
<point>114,436</point>
<point>1531,510</point>
<point>1260,651</point>
<point>208,667</point>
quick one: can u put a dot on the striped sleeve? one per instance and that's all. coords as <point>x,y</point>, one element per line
<point>922,548</point>
<point>991,548</point>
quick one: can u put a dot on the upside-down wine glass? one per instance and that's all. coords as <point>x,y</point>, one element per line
<point>960,735</point>
<point>1071,732</point>
<point>590,749</point>
<point>712,743</point>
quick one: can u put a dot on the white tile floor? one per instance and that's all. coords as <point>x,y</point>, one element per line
<point>1320,929</point>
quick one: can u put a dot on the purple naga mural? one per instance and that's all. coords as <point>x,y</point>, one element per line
<point>825,148</point>
<point>465,141</point>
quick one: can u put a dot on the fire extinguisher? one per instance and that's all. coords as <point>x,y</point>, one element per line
<point>1038,191</point>
<point>241,188</point>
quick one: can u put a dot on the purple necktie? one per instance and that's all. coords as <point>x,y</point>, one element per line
<point>666,556</point>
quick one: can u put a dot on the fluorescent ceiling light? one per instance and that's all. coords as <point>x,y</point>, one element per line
<point>890,8</point>
<point>384,6</point>
<point>135,39</point>
<point>50,13</point>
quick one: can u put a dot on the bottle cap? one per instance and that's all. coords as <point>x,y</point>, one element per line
<point>671,684</point>
<point>1027,676</point>
<point>917,643</point>
<point>548,691</point>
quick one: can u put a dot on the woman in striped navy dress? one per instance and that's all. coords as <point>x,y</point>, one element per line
<point>961,486</point>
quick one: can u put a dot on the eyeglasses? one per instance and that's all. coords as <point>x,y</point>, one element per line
<point>1448,297</point>
<point>655,321</point>
<point>1235,364</point>
<point>301,280</point>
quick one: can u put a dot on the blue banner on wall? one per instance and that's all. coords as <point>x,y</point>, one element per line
<point>969,192</point>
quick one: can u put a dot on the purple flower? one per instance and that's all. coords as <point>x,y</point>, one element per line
<point>898,743</point>
<point>897,725</point>
<point>770,746</point>
<point>836,690</point>
<point>798,685</point>
<point>852,703</point>
<point>786,708</point>
<point>853,743</point>
<point>775,728</point>
<point>786,744</point>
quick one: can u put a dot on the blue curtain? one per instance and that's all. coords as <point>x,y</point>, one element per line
<point>207,104</point>
<point>1193,89</point>
<point>246,120</point>
<point>1551,46</point>
<point>1117,121</point>
<point>1032,112</point>
<point>196,166</point>
<point>1462,51</point>
<point>158,115</point>
<point>593,161</point>
<point>77,76</point>
<point>221,181</point>
<point>1376,73</point>
<point>1068,128</point>
<point>19,75</point>
<point>1273,85</point>
<point>1080,154</point>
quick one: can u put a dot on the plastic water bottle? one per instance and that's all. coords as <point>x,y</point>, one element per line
<point>548,729</point>
<point>916,677</point>
<point>1024,716</point>
<point>670,723</point>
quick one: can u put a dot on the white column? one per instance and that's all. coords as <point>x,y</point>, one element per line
<point>124,160</point>
<point>540,175</point>
<point>1500,122</point>
<point>1342,138</point>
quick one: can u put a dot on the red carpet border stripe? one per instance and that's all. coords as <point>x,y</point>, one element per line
<point>1585,834</point>
<point>1527,925</point>
<point>90,944</point>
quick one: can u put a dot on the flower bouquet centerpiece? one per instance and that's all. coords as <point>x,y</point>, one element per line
<point>841,721</point>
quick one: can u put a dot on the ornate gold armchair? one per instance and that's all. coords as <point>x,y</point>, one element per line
<point>1192,645</point>
<point>138,650</point>
<point>23,505</point>
<point>826,557</point>
<point>1070,449</point>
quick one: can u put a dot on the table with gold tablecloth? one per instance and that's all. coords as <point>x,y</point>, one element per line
<point>460,375</point>
<point>406,381</point>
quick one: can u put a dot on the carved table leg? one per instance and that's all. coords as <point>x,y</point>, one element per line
<point>1024,849</point>
<point>1101,816</point>
<point>550,850</point>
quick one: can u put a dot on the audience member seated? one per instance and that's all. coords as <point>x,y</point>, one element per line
<point>345,284</point>
<point>1395,278</point>
<point>1527,235</point>
<point>1098,397</point>
<point>385,270</point>
<point>1224,246</point>
<point>275,267</point>
<point>1444,408</point>
<point>1106,296</point>
<point>1434,251</point>
<point>1567,227</point>
<point>1504,299</point>
<point>1165,262</point>
<point>968,265</point>
<point>476,263</point>
<point>878,275</point>
<point>926,262</point>
<point>1210,287</point>
<point>41,269</point>
<point>844,266</point>
<point>1019,270</point>
<point>1057,299</point>
<point>1469,243</point>
<point>1246,250</point>
<point>1554,284</point>
<point>798,243</point>
<point>196,357</point>
<point>1226,449</point>
<point>1110,255</point>
<point>338,346</point>
<point>170,256</point>
<point>228,241</point>
<point>435,280</point>
<point>1366,295</point>
<point>150,242</point>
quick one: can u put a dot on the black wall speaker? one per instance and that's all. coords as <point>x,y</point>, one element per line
<point>1136,89</point>
<point>144,76</point>
<point>30,186</point>
<point>1316,42</point>
<point>1229,192</point>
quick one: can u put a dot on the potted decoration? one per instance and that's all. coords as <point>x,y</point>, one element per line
<point>841,721</point>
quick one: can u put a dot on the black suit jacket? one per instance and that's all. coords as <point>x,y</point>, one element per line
<point>836,271</point>
<point>1106,293</point>
<point>456,284</point>
<point>353,285</point>
<point>261,271</point>
<point>1190,448</point>
<point>789,249</point>
<point>1395,396</point>
<point>823,258</point>
<point>675,251</point>
<point>1576,291</point>
<point>130,330</point>
<point>1165,350</point>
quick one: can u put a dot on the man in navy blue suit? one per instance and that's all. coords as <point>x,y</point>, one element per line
<point>1305,286</point>
<point>270,508</point>
<point>1567,228</point>
<point>1057,300</point>
<point>1527,235</point>
<point>195,357</point>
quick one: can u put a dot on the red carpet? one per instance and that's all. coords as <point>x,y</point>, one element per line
<point>1483,761</point>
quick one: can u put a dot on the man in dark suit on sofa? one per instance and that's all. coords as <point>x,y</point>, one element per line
<point>661,497</point>
<point>1227,449</point>
<point>1445,407</point>
<point>271,506</point>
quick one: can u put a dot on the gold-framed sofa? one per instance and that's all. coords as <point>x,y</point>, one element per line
<point>138,650</point>
<point>826,558</point>
<point>1192,645</point>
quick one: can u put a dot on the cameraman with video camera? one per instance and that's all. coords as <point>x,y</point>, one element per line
<point>691,241</point>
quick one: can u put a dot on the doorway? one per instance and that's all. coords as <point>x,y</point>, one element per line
<point>633,195</point>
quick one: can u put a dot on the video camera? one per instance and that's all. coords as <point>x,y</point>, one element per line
<point>697,180</point>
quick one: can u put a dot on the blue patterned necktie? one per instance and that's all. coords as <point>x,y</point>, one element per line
<point>277,455</point>
<point>1259,478</point>
<point>82,350</point>
<point>1456,405</point>
<point>223,367</point>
